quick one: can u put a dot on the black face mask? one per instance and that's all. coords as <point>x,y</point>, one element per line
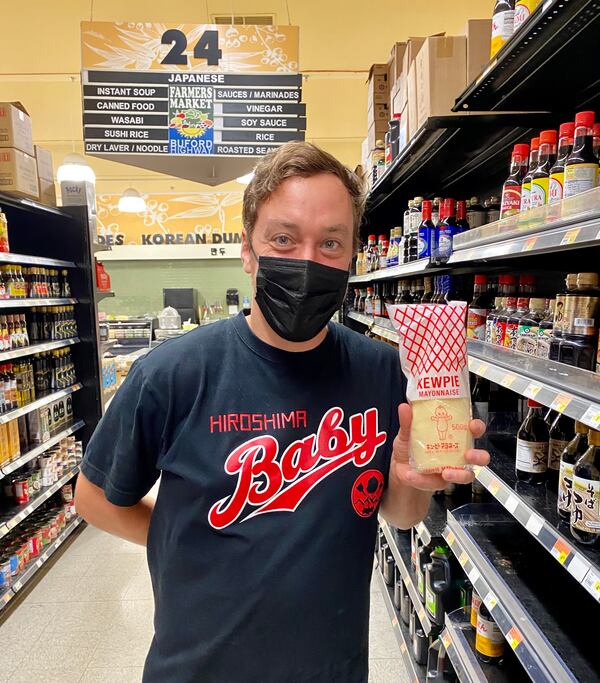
<point>298,297</point>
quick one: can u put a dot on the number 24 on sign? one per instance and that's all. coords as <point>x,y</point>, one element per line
<point>207,47</point>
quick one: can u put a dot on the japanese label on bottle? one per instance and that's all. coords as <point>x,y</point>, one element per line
<point>580,315</point>
<point>532,456</point>
<point>475,605</point>
<point>509,340</point>
<point>430,601</point>
<point>445,244</point>
<point>579,178</point>
<point>523,10</point>
<point>554,452</point>
<point>585,515</point>
<point>525,196</point>
<point>511,201</point>
<point>539,192</point>
<point>555,187</point>
<point>565,487</point>
<point>527,339</point>
<point>489,639</point>
<point>377,308</point>
<point>489,330</point>
<point>476,323</point>
<point>499,332</point>
<point>502,29</point>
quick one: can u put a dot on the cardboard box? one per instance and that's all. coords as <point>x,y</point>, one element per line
<point>47,191</point>
<point>411,104</point>
<point>378,112</point>
<point>479,37</point>
<point>45,167</point>
<point>15,127</point>
<point>377,131</point>
<point>404,132</point>
<point>18,173</point>
<point>395,62</point>
<point>378,89</point>
<point>441,75</point>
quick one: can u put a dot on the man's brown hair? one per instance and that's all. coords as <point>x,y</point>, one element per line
<point>291,160</point>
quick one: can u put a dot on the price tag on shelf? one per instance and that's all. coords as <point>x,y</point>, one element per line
<point>450,538</point>
<point>561,550</point>
<point>560,403</point>
<point>403,648</point>
<point>507,381</point>
<point>570,236</point>
<point>534,524</point>
<point>514,637</point>
<point>578,568</point>
<point>529,244</point>
<point>474,575</point>
<point>591,416</point>
<point>494,487</point>
<point>446,639</point>
<point>420,528</point>
<point>477,469</point>
<point>511,504</point>
<point>482,369</point>
<point>592,583</point>
<point>421,614</point>
<point>490,601</point>
<point>395,621</point>
<point>532,390</point>
<point>462,558</point>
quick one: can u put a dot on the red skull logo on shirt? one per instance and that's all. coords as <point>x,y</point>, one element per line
<point>367,492</point>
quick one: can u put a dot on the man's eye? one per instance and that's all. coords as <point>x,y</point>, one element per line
<point>282,240</point>
<point>331,244</point>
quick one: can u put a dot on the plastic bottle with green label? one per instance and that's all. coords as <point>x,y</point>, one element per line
<point>529,327</point>
<point>581,168</point>
<point>440,593</point>
<point>423,559</point>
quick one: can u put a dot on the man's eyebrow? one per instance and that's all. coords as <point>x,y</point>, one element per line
<point>339,227</point>
<point>282,223</point>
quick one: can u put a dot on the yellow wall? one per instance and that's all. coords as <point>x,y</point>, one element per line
<point>338,42</point>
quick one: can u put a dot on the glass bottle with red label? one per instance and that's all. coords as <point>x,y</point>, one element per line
<point>557,172</point>
<point>533,441</point>
<point>478,309</point>
<point>581,167</point>
<point>510,203</point>
<point>585,512</point>
<point>532,166</point>
<point>540,179</point>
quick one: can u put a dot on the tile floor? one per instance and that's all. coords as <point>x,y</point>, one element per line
<point>89,620</point>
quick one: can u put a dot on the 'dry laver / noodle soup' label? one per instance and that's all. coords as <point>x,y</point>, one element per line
<point>434,359</point>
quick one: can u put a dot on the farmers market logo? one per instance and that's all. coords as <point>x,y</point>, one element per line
<point>191,123</point>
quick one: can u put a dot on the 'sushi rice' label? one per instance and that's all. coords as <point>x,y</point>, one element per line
<point>433,356</point>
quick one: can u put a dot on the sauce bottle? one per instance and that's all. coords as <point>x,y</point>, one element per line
<point>581,167</point>
<point>532,446</point>
<point>540,179</point>
<point>585,512</point>
<point>440,593</point>
<point>372,257</point>
<point>462,223</point>
<point>405,297</point>
<point>378,161</point>
<point>446,230</point>
<point>545,330</point>
<point>526,183</point>
<point>377,303</point>
<point>428,293</point>
<point>490,323</point>
<point>478,309</point>
<point>523,10</point>
<point>510,203</point>
<point>361,300</point>
<point>562,432</point>
<point>435,210</point>
<point>510,307</point>
<point>557,172</point>
<point>503,25</point>
<point>582,306</point>
<point>513,322</point>
<point>596,145</point>
<point>423,559</point>
<point>415,222</point>
<point>476,213</point>
<point>492,208</point>
<point>528,331</point>
<point>369,302</point>
<point>419,290</point>
<point>426,231</point>
<point>559,311</point>
<point>383,254</point>
<point>475,605</point>
<point>489,641</point>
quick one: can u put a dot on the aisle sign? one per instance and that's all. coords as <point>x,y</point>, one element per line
<point>154,93</point>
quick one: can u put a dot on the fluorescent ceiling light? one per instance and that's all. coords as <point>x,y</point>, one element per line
<point>74,169</point>
<point>245,179</point>
<point>132,202</point>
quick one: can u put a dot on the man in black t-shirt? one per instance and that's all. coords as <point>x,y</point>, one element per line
<point>278,437</point>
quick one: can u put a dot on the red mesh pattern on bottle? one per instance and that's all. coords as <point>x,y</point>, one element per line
<point>433,336</point>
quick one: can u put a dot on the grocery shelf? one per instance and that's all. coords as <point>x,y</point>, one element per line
<point>30,303</point>
<point>25,260</point>
<point>403,270</point>
<point>520,585</point>
<point>400,549</point>
<point>35,564</point>
<point>37,348</point>
<point>31,206</point>
<point>524,73</point>
<point>454,638</point>
<point>565,389</point>
<point>9,467</point>
<point>103,295</point>
<point>416,672</point>
<point>19,412</point>
<point>534,507</point>
<point>10,521</point>
<point>380,326</point>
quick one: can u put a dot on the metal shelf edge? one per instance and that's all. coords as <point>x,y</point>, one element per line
<point>460,652</point>
<point>29,303</point>
<point>19,412</point>
<point>404,269</point>
<point>37,348</point>
<point>25,259</point>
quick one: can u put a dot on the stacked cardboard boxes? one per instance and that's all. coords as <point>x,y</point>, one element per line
<point>18,168</point>
<point>47,189</point>
<point>378,103</point>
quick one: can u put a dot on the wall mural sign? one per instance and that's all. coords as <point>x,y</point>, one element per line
<point>180,225</point>
<point>156,95</point>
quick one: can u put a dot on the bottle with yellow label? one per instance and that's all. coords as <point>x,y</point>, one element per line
<point>557,172</point>
<point>523,10</point>
<point>489,641</point>
<point>540,178</point>
<point>581,167</point>
<point>503,25</point>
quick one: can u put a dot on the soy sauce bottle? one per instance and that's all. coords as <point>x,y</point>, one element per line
<point>561,434</point>
<point>585,513</point>
<point>423,559</point>
<point>581,167</point>
<point>570,455</point>
<point>489,641</point>
<point>439,590</point>
<point>532,446</point>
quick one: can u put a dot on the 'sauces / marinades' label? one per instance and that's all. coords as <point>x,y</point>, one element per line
<point>476,323</point>
<point>539,192</point>
<point>585,513</point>
<point>565,487</point>
<point>579,178</point>
<point>532,456</point>
<point>489,639</point>
<point>554,452</point>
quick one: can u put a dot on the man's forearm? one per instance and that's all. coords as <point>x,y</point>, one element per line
<point>404,506</point>
<point>130,523</point>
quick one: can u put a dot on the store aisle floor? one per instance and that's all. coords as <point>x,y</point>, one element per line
<point>89,620</point>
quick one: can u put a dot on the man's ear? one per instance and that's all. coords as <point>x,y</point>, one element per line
<point>246,253</point>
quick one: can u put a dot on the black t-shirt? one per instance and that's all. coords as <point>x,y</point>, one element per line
<point>273,463</point>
